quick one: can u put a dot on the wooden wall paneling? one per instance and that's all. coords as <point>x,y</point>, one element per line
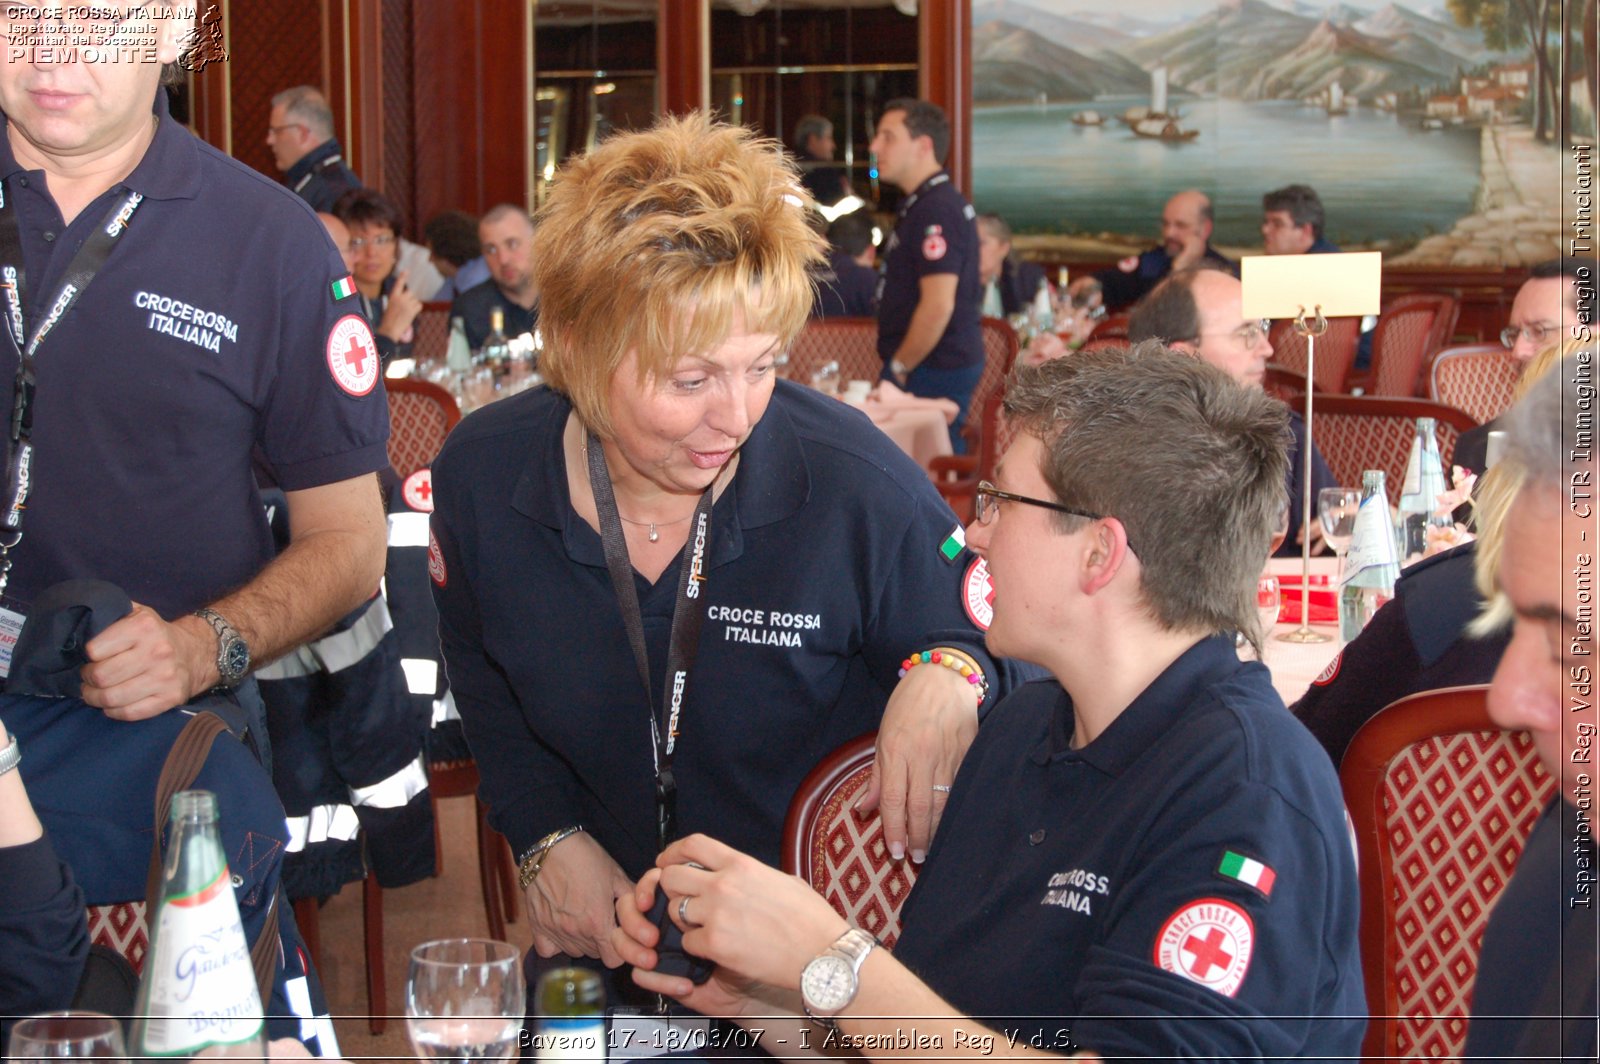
<point>470,66</point>
<point>364,148</point>
<point>683,48</point>
<point>272,45</point>
<point>399,133</point>
<point>945,49</point>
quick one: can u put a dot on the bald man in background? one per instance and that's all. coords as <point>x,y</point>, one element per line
<point>1186,225</point>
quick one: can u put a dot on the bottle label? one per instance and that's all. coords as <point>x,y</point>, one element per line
<point>1413,482</point>
<point>202,983</point>
<point>566,1039</point>
<point>1372,544</point>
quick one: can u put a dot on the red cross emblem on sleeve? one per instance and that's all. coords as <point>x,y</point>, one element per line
<point>353,358</point>
<point>977,594</point>
<point>1207,942</point>
<point>418,491</point>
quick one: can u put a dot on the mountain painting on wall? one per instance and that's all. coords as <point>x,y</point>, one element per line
<point>1433,138</point>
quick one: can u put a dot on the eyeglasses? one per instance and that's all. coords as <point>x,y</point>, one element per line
<point>289,125</point>
<point>987,504</point>
<point>25,25</point>
<point>1250,333</point>
<point>382,240</point>
<point>1536,334</point>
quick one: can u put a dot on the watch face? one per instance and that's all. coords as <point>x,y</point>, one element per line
<point>236,656</point>
<point>828,983</point>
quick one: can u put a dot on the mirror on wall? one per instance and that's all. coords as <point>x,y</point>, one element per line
<point>777,62</point>
<point>594,67</point>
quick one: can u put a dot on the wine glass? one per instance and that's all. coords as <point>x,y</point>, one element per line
<point>464,1000</point>
<point>1280,529</point>
<point>71,1035</point>
<point>1269,600</point>
<point>1337,508</point>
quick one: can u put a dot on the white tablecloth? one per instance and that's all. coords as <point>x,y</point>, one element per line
<point>1295,665</point>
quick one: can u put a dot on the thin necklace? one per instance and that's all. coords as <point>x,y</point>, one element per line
<point>654,535</point>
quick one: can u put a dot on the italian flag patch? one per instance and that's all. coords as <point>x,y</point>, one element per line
<point>344,288</point>
<point>1247,870</point>
<point>953,544</point>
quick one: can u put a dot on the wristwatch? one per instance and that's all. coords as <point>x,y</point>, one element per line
<point>830,981</point>
<point>10,757</point>
<point>899,370</point>
<point>233,653</point>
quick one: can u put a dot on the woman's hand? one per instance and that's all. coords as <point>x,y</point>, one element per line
<point>400,311</point>
<point>760,926</point>
<point>573,901</point>
<point>931,719</point>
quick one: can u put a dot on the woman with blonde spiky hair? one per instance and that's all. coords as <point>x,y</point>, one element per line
<point>667,583</point>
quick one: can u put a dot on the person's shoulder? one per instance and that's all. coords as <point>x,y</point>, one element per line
<point>843,447</point>
<point>478,296</point>
<point>484,438</point>
<point>1243,715</point>
<point>222,176</point>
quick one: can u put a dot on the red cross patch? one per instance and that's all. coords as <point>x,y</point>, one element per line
<point>1326,676</point>
<point>418,491</point>
<point>436,561</point>
<point>977,594</point>
<point>1129,264</point>
<point>933,244</point>
<point>353,355</point>
<point>1207,942</point>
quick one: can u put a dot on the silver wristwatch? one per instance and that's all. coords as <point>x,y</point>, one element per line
<point>10,757</point>
<point>233,653</point>
<point>830,981</point>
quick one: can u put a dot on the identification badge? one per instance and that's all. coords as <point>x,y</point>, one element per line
<point>12,614</point>
<point>635,1035</point>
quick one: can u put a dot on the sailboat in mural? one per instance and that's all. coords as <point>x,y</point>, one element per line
<point>1155,121</point>
<point>1336,104</point>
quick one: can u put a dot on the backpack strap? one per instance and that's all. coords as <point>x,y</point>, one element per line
<point>184,762</point>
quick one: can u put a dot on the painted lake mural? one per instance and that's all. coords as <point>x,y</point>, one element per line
<point>1441,136</point>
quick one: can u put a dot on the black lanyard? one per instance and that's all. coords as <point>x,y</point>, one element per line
<point>85,264</point>
<point>687,614</point>
<point>911,201</point>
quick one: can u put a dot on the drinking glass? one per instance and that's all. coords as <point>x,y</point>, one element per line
<point>1337,509</point>
<point>1269,599</point>
<point>464,1000</point>
<point>1280,529</point>
<point>69,1035</point>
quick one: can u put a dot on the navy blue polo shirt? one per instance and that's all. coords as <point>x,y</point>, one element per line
<point>935,233</point>
<point>1084,897</point>
<point>211,331</point>
<point>1128,282</point>
<point>824,572</point>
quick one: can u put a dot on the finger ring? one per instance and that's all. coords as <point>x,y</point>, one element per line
<point>942,788</point>
<point>683,911</point>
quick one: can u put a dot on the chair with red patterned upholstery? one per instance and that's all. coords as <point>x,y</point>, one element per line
<point>431,332</point>
<point>1285,384</point>
<point>421,415</point>
<point>851,342</point>
<point>1478,378</point>
<point>957,475</point>
<point>1411,330</point>
<point>1441,803</point>
<point>1336,351</point>
<point>843,856</point>
<point>999,354</point>
<point>1114,327</point>
<point>1356,433</point>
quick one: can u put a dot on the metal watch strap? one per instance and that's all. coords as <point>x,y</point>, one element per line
<point>225,631</point>
<point>853,946</point>
<point>10,757</point>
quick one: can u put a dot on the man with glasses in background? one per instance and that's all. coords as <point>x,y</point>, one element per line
<point>300,134</point>
<point>1553,304</point>
<point>1201,312</point>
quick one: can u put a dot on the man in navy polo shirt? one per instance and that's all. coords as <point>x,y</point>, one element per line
<point>1186,225</point>
<point>1143,855</point>
<point>208,316</point>
<point>1535,994</point>
<point>928,334</point>
<point>300,134</point>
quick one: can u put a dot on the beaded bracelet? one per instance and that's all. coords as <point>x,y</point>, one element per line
<point>953,660</point>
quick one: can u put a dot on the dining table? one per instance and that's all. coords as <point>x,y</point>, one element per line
<point>1295,665</point>
<point>918,426</point>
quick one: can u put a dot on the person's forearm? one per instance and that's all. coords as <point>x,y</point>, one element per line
<point>928,323</point>
<point>18,822</point>
<point>322,575</point>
